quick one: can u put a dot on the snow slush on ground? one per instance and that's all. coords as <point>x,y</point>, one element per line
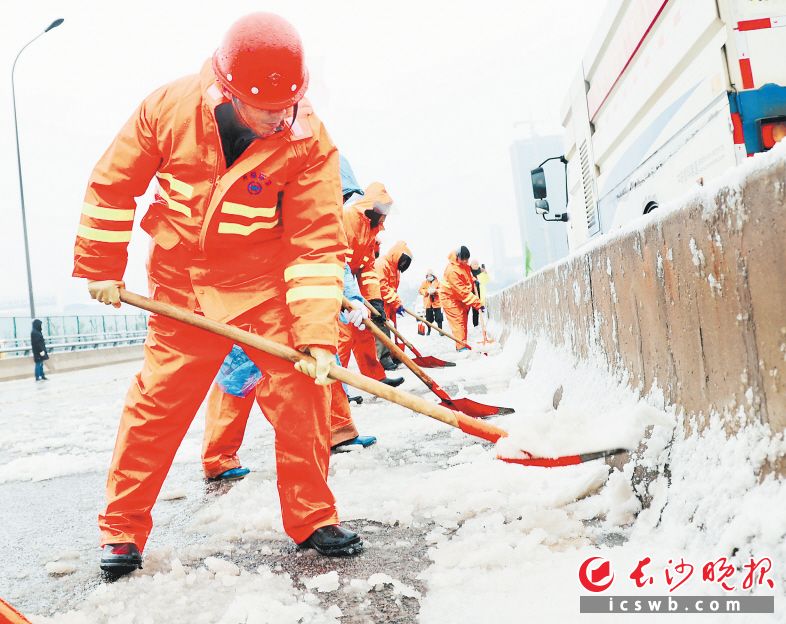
<point>452,534</point>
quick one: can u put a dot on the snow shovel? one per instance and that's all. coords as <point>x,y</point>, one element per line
<point>486,340</point>
<point>478,428</point>
<point>441,331</point>
<point>465,423</point>
<point>468,406</point>
<point>424,361</point>
<point>565,460</point>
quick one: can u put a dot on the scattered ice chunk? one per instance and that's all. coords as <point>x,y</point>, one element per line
<point>174,494</point>
<point>221,567</point>
<point>60,568</point>
<point>323,583</point>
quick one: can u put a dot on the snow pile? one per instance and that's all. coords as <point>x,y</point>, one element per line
<point>323,583</point>
<point>505,542</point>
<point>595,412</point>
<point>717,489</point>
<point>199,595</point>
<point>516,556</point>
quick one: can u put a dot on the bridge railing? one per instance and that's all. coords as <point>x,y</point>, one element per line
<point>71,333</point>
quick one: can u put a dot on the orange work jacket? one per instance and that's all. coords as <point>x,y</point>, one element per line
<point>430,300</point>
<point>361,238</point>
<point>224,240</point>
<point>386,268</point>
<point>458,284</point>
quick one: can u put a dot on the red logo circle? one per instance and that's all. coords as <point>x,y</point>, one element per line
<point>592,582</point>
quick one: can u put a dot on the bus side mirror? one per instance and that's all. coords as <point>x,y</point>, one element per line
<point>538,184</point>
<point>541,206</point>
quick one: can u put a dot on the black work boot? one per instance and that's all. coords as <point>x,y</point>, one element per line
<point>388,363</point>
<point>334,541</point>
<point>119,559</point>
<point>392,381</point>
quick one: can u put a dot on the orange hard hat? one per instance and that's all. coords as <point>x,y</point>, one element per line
<point>260,61</point>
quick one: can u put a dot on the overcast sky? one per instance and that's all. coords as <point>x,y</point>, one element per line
<point>424,96</point>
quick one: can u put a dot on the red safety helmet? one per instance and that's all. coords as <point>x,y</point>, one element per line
<point>261,62</point>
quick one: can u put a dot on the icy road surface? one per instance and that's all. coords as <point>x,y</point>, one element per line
<point>452,535</point>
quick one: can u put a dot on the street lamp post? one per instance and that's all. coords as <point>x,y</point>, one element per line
<point>54,24</point>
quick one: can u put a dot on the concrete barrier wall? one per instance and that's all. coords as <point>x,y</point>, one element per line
<point>694,303</point>
<point>20,367</point>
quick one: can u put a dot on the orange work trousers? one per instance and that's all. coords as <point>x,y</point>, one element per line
<point>361,343</point>
<point>180,364</point>
<point>457,315</point>
<point>227,416</point>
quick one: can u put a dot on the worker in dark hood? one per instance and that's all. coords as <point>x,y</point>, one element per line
<point>38,345</point>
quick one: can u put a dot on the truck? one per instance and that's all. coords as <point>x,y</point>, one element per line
<point>670,94</point>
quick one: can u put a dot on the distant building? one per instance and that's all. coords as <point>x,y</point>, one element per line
<point>503,269</point>
<point>547,242</point>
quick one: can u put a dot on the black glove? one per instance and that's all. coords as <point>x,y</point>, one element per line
<point>379,306</point>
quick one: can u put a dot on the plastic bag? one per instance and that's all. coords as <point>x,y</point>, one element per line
<point>238,375</point>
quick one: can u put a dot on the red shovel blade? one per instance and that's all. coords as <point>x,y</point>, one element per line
<point>565,460</point>
<point>475,409</point>
<point>429,361</point>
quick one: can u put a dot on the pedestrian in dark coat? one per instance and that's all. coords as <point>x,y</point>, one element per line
<point>38,345</point>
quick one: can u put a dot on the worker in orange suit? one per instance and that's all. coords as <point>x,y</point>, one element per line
<point>246,230</point>
<point>231,397</point>
<point>389,269</point>
<point>429,290</point>
<point>363,220</point>
<point>457,294</point>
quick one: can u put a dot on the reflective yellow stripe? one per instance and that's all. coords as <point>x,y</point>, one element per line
<point>244,230</point>
<point>186,190</point>
<point>247,211</point>
<point>107,214</point>
<point>175,205</point>
<point>104,236</point>
<point>313,270</point>
<point>370,274</point>
<point>390,298</point>
<point>314,292</point>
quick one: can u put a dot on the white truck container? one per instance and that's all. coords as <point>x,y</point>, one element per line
<point>670,93</point>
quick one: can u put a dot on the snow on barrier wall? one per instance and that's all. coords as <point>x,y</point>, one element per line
<point>692,301</point>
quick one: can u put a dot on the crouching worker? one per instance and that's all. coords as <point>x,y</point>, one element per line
<point>247,230</point>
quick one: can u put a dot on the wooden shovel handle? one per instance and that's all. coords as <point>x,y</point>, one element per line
<point>441,331</point>
<point>449,417</point>
<point>400,355</point>
<point>392,328</point>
